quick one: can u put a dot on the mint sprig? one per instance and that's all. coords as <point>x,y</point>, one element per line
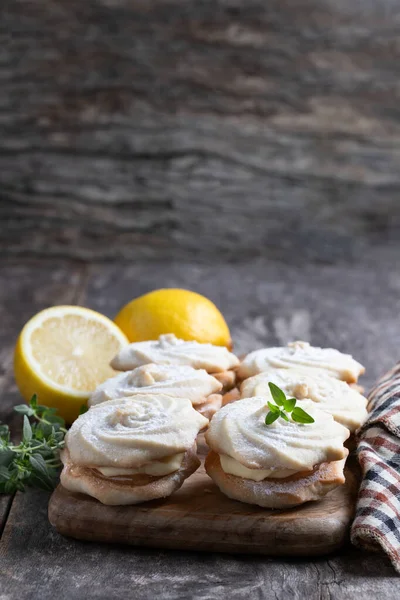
<point>35,461</point>
<point>283,406</point>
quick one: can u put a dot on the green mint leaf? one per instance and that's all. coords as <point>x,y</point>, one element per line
<point>84,408</point>
<point>283,415</point>
<point>273,407</point>
<point>277,394</point>
<point>33,402</point>
<point>26,430</point>
<point>271,417</point>
<point>24,409</point>
<point>300,416</point>
<point>289,404</point>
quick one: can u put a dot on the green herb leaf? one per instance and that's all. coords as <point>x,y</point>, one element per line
<point>6,456</point>
<point>277,394</point>
<point>289,404</point>
<point>35,461</point>
<point>283,406</point>
<point>271,417</point>
<point>11,486</point>
<point>4,432</point>
<point>26,430</point>
<point>53,419</point>
<point>4,474</point>
<point>24,409</point>
<point>300,416</point>
<point>84,408</point>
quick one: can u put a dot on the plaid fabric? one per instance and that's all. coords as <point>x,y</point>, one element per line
<point>377,522</point>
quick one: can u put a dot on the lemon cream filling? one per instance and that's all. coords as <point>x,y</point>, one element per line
<point>346,405</point>
<point>175,380</point>
<point>132,432</point>
<point>239,431</point>
<point>169,350</point>
<point>158,468</point>
<point>233,467</point>
<point>301,355</point>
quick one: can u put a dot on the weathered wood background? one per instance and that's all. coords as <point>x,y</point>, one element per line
<point>215,129</point>
<point>249,150</point>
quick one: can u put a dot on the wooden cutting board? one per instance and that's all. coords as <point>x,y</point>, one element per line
<point>200,517</point>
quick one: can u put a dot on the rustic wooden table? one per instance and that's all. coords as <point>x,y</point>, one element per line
<point>247,150</point>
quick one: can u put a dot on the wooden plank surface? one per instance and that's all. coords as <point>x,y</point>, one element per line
<point>37,562</point>
<point>200,517</point>
<point>208,130</point>
<point>352,306</point>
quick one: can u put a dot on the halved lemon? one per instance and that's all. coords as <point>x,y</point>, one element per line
<point>63,354</point>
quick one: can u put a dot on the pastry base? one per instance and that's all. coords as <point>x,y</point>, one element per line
<point>123,491</point>
<point>277,493</point>
<point>210,406</point>
<point>231,396</point>
<point>227,379</point>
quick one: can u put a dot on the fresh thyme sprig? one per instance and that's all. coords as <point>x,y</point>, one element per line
<point>35,461</point>
<point>283,406</point>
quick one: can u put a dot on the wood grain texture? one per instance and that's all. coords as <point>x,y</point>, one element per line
<point>221,128</point>
<point>200,517</point>
<point>35,562</point>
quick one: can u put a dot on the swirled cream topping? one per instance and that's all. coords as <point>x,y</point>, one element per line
<point>301,355</point>
<point>346,405</point>
<point>178,381</point>
<point>169,350</point>
<point>134,431</point>
<point>239,431</point>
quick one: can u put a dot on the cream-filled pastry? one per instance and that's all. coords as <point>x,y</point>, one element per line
<point>132,450</point>
<point>169,350</point>
<point>301,355</point>
<point>278,465</point>
<point>345,404</point>
<point>179,381</point>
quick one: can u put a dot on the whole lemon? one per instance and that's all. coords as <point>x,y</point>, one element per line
<point>190,316</point>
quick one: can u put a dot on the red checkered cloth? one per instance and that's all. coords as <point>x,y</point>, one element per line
<point>377,522</point>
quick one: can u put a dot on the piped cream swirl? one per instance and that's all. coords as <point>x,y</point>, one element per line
<point>169,350</point>
<point>132,432</point>
<point>238,430</point>
<point>346,405</point>
<point>178,381</point>
<point>301,355</point>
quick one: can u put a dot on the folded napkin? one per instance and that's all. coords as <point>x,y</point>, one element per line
<point>377,522</point>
